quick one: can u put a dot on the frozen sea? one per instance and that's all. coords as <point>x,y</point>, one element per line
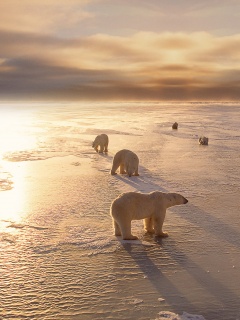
<point>58,256</point>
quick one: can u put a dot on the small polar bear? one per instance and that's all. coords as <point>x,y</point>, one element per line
<point>127,161</point>
<point>102,142</point>
<point>148,206</point>
<point>203,140</point>
<point>175,125</point>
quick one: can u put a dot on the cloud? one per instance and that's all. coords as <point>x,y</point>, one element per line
<point>122,17</point>
<point>119,17</point>
<point>146,65</point>
<point>43,16</point>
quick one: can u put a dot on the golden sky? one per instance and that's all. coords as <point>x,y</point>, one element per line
<point>120,50</point>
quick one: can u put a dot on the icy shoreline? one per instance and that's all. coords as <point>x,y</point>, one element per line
<point>58,257</point>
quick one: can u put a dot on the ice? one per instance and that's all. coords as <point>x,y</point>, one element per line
<point>58,256</point>
<point>137,301</point>
<point>172,316</point>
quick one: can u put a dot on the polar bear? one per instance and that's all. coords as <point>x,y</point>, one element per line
<point>102,141</point>
<point>203,140</point>
<point>148,206</point>
<point>127,161</point>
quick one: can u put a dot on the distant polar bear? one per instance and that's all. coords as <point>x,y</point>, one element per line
<point>203,140</point>
<point>175,125</point>
<point>101,141</point>
<point>148,206</point>
<point>127,161</point>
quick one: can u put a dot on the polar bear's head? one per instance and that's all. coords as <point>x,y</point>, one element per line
<point>173,199</point>
<point>132,165</point>
<point>95,142</point>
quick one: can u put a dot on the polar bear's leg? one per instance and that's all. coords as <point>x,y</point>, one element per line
<point>148,225</point>
<point>125,227</point>
<point>96,148</point>
<point>115,165</point>
<point>106,148</point>
<point>117,230</point>
<point>158,220</point>
<point>136,173</point>
<point>122,171</point>
<point>101,148</point>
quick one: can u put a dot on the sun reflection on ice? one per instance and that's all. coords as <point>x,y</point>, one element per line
<point>16,131</point>
<point>13,201</point>
<point>16,135</point>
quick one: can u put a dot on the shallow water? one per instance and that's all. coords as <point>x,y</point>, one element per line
<point>58,257</point>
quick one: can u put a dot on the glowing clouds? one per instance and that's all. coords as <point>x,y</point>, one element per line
<point>146,65</point>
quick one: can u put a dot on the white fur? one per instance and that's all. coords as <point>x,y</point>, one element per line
<point>127,161</point>
<point>148,206</point>
<point>102,142</point>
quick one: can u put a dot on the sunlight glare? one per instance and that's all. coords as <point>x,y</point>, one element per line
<point>13,201</point>
<point>16,131</point>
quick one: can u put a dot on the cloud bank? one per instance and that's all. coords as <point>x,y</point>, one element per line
<point>53,59</point>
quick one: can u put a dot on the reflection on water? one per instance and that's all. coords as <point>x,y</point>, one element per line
<point>14,134</point>
<point>12,201</point>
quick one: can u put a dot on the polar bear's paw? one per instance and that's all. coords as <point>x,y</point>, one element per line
<point>131,237</point>
<point>149,230</point>
<point>162,234</point>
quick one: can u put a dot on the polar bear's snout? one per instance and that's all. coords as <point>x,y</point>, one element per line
<point>185,201</point>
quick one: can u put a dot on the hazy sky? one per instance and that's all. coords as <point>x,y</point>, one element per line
<point>120,49</point>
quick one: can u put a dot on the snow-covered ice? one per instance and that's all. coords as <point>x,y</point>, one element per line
<point>58,256</point>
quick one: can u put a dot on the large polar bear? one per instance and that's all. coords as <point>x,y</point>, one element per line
<point>102,141</point>
<point>148,206</point>
<point>127,161</point>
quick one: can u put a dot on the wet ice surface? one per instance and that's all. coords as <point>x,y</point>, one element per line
<point>58,257</point>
